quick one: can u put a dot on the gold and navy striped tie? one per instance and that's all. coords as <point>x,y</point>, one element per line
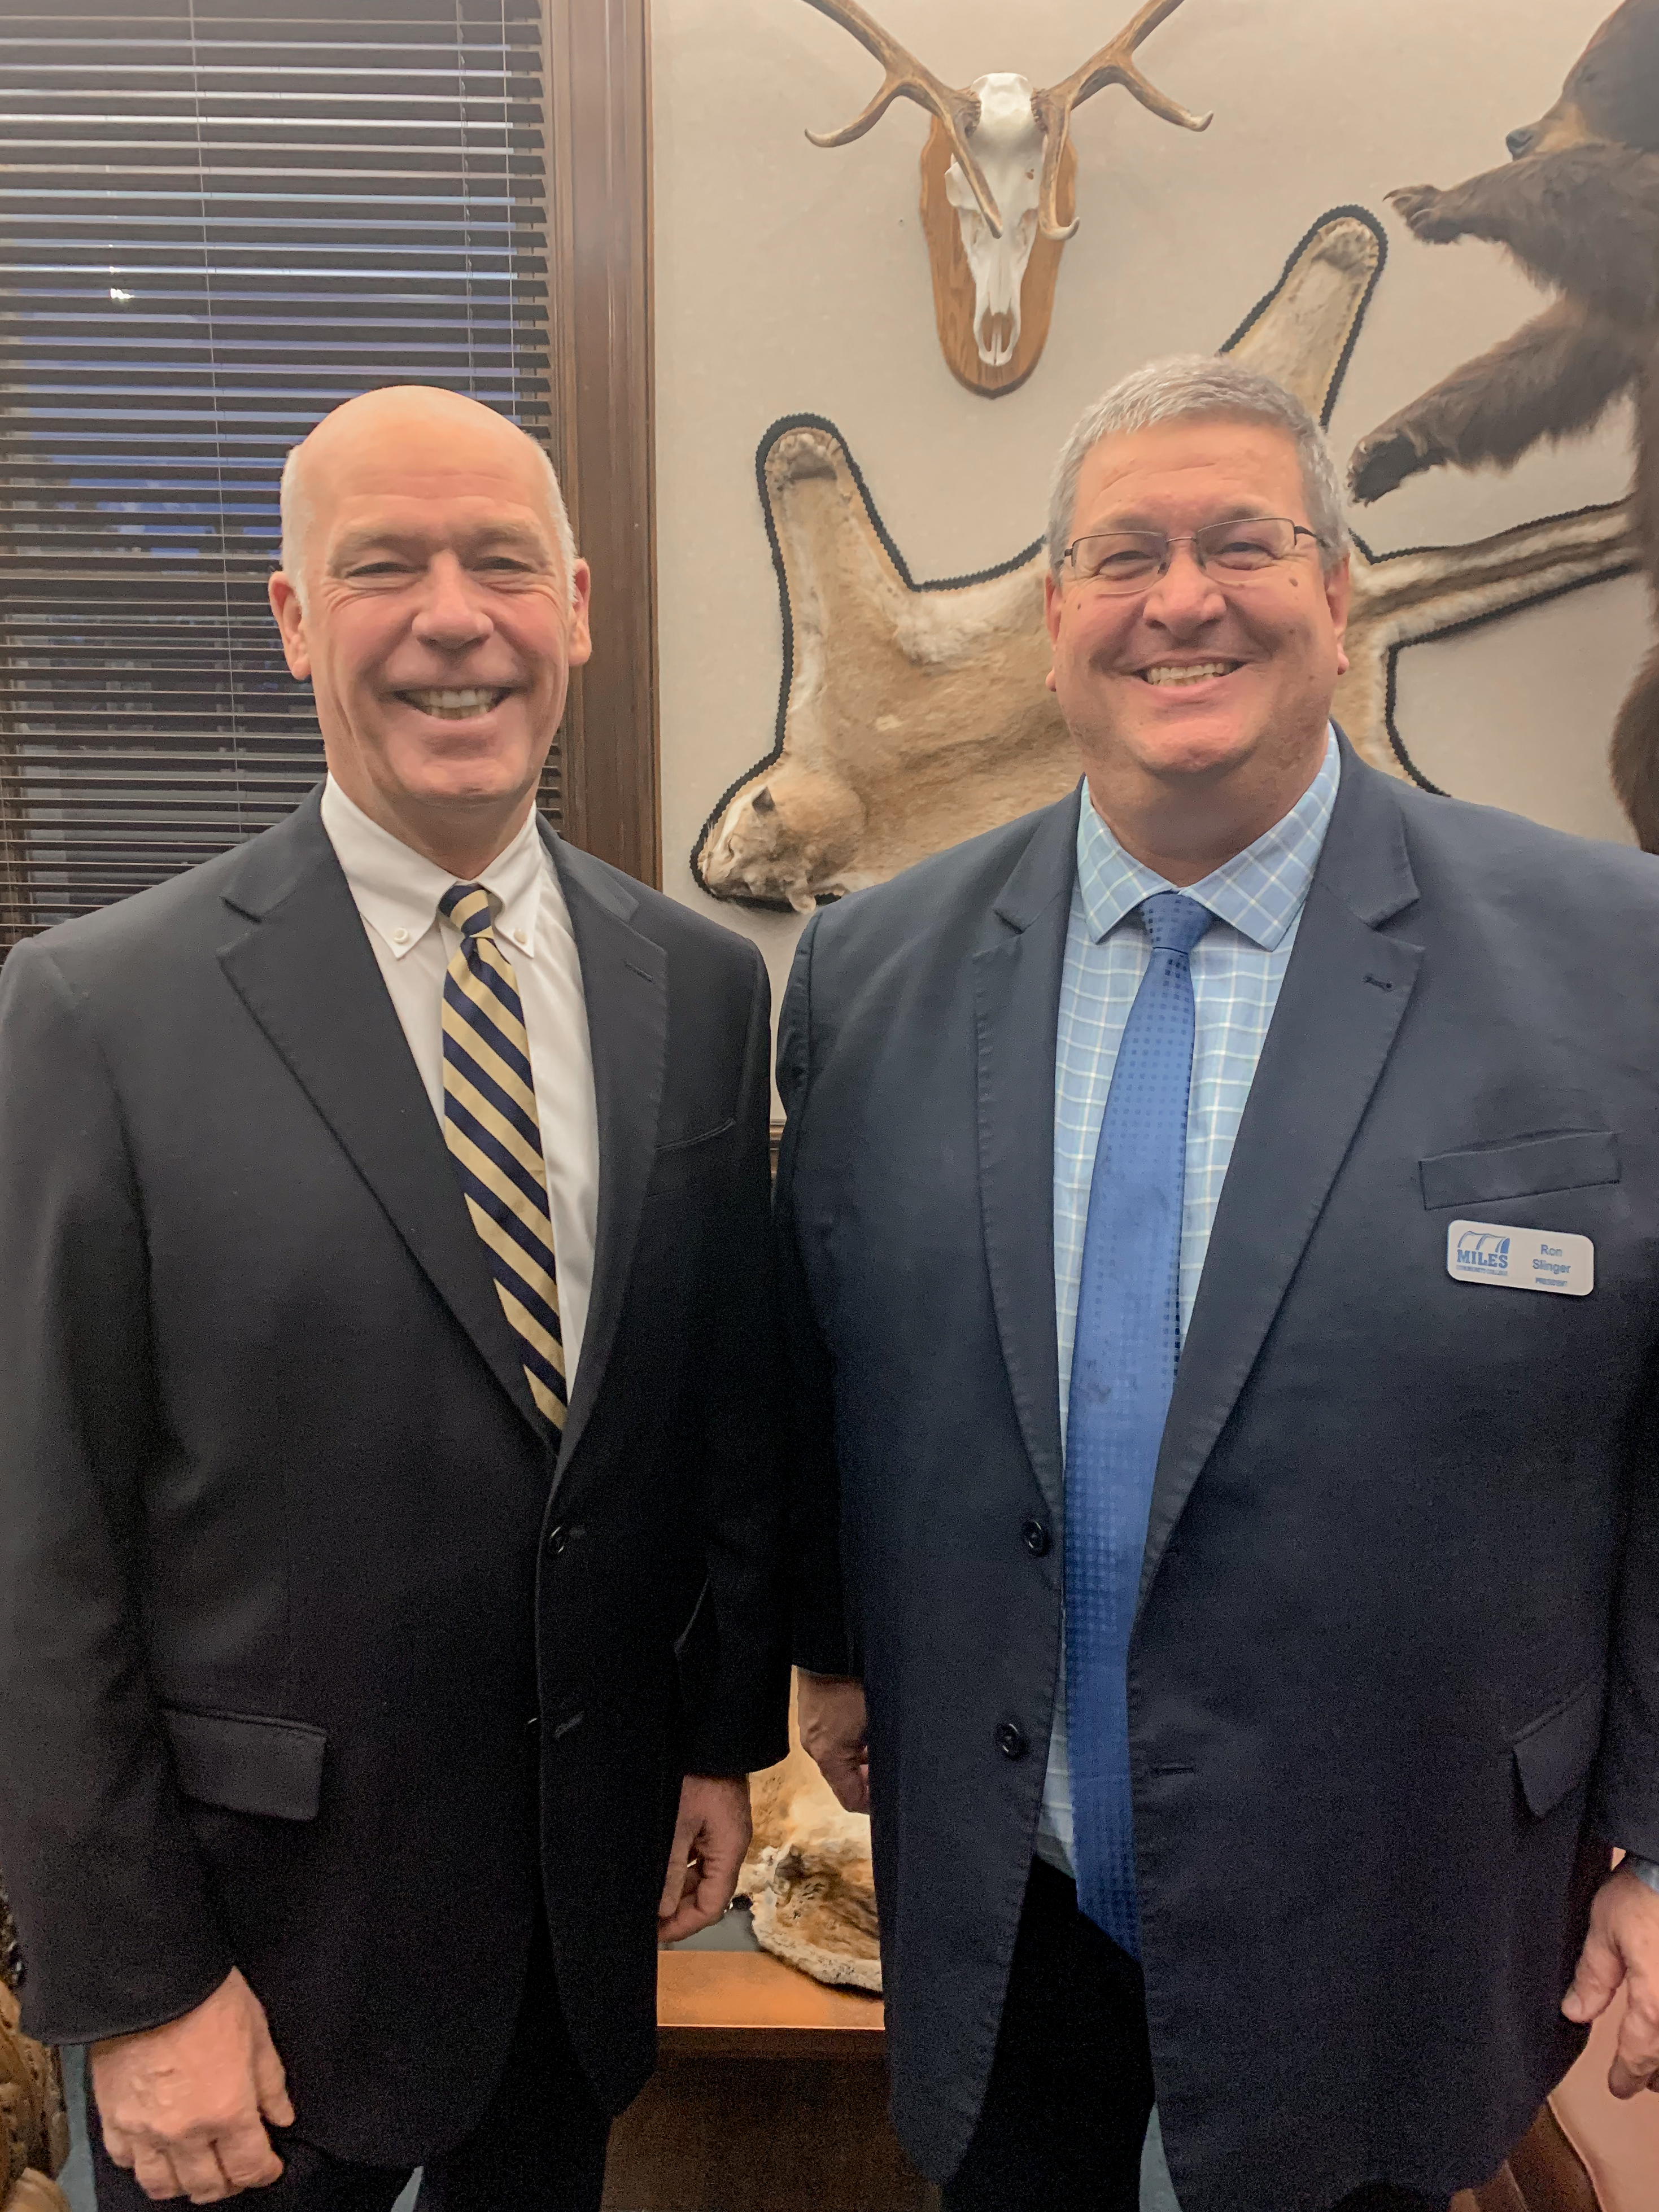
<point>495,1138</point>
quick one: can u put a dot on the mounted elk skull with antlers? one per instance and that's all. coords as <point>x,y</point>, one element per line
<point>1000,154</point>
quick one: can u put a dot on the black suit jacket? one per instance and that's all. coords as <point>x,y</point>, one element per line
<point>310,1650</point>
<point>1395,1665</point>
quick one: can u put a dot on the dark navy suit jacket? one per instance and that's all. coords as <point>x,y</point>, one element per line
<point>316,1658</point>
<point>1394,1674</point>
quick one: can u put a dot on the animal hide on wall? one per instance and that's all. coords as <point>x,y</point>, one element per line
<point>914,715</point>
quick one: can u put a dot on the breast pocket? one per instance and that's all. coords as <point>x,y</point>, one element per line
<point>698,1137</point>
<point>1572,1159</point>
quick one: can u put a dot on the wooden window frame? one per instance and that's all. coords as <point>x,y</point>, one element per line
<point>599,197</point>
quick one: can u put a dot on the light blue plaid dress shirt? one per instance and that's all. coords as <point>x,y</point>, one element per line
<point>1237,968</point>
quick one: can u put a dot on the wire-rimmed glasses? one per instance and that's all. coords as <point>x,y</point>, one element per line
<point>1231,552</point>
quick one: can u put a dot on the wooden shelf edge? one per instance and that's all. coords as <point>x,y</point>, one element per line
<point>748,2002</point>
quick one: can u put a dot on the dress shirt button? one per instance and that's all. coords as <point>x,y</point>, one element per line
<point>400,937</point>
<point>519,937</point>
<point>557,1539</point>
<point>1037,1538</point>
<point>1011,1739</point>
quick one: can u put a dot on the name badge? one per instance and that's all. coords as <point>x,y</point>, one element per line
<point>1521,1259</point>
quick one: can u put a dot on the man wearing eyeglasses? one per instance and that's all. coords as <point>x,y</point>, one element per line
<point>1217,1215</point>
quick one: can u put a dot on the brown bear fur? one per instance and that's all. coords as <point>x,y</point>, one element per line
<point>1578,208</point>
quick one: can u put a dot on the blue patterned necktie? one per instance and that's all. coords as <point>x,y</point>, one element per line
<point>1128,1334</point>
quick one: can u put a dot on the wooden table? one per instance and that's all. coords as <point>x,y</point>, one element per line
<point>770,2095</point>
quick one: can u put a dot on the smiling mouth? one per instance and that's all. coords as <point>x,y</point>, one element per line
<point>458,706</point>
<point>1195,671</point>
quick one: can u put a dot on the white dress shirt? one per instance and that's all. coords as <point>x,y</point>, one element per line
<point>396,892</point>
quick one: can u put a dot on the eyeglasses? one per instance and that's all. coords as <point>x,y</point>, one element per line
<point>1135,560</point>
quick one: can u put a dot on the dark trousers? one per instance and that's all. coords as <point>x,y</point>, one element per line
<point>539,2146</point>
<point>1071,2088</point>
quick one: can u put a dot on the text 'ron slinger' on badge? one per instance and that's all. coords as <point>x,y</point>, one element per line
<point>1521,1259</point>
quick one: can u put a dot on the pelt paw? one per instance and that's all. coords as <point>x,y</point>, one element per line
<point>1424,210</point>
<point>1382,462</point>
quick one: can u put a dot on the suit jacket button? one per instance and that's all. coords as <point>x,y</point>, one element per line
<point>1011,1739</point>
<point>1037,1538</point>
<point>557,1539</point>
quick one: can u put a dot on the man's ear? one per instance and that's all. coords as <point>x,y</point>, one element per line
<point>580,643</point>
<point>1051,616</point>
<point>284,596</point>
<point>1339,591</point>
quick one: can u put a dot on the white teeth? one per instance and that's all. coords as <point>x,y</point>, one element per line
<point>456,706</point>
<point>1198,673</point>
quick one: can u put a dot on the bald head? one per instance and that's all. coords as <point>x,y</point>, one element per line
<point>417,433</point>
<point>443,610</point>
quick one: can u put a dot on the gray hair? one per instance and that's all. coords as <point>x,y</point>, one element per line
<point>296,518</point>
<point>1192,385</point>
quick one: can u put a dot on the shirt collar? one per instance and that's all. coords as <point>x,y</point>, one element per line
<point>396,889</point>
<point>1260,891</point>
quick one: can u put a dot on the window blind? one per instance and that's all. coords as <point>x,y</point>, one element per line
<point>219,220</point>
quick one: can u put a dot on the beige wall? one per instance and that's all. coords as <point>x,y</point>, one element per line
<point>793,280</point>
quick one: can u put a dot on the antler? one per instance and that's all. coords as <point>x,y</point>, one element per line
<point>1112,64</point>
<point>907,78</point>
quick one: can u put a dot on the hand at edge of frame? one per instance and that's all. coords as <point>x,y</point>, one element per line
<point>830,1715</point>
<point>1622,1949</point>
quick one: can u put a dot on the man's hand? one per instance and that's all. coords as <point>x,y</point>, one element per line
<point>829,1713</point>
<point>183,2105</point>
<point>1622,1946</point>
<point>710,1840</point>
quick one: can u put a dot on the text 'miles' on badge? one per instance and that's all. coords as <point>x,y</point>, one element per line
<point>1521,1259</point>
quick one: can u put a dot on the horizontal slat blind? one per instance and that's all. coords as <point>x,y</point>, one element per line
<point>215,222</point>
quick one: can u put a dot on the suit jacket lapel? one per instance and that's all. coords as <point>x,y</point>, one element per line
<point>307,975</point>
<point>625,983</point>
<point>1345,994</point>
<point>1017,977</point>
